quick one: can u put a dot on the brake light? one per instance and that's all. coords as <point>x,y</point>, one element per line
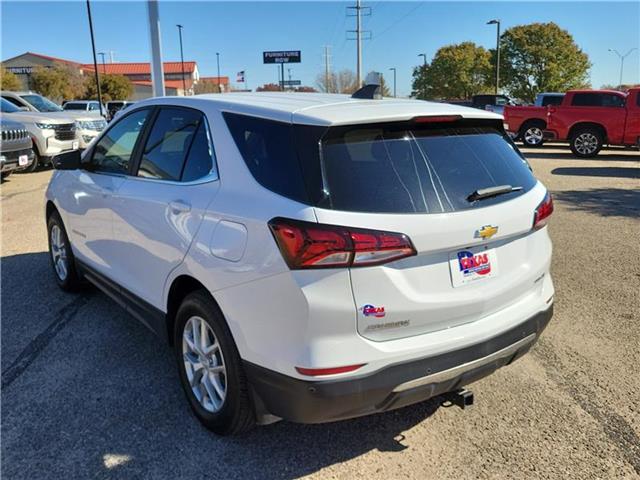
<point>543,212</point>
<point>437,118</point>
<point>314,245</point>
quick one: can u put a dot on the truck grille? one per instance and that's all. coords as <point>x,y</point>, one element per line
<point>65,131</point>
<point>14,134</point>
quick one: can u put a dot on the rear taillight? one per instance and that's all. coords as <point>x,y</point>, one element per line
<point>543,212</point>
<point>314,245</point>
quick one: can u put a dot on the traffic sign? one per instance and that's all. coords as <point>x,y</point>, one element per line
<point>292,83</point>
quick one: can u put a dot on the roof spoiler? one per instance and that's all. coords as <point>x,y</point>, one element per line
<point>371,89</point>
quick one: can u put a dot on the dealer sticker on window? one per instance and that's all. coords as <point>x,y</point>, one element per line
<point>472,265</point>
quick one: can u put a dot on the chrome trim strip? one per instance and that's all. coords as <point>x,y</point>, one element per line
<point>460,369</point>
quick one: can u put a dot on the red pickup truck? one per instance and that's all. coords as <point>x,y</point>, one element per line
<point>527,123</point>
<point>588,119</point>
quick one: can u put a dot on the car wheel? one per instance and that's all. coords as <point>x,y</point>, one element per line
<point>532,136</point>
<point>34,166</point>
<point>210,369</point>
<point>586,142</point>
<point>61,255</point>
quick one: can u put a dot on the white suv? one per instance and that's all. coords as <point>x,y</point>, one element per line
<point>310,257</point>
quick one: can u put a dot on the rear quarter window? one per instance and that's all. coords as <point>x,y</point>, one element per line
<point>268,151</point>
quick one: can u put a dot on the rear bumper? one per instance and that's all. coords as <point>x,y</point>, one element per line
<point>394,386</point>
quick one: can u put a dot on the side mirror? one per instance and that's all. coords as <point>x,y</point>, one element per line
<point>67,161</point>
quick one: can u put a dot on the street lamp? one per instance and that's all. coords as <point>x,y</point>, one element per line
<point>622,57</point>
<point>104,68</point>
<point>184,83</point>
<point>497,24</point>
<point>424,81</point>
<point>218,77</point>
<point>394,81</point>
<point>95,60</point>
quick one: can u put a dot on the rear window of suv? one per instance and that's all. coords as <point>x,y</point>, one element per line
<point>398,167</point>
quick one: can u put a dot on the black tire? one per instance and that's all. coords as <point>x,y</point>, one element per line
<point>34,166</point>
<point>531,134</point>
<point>586,142</point>
<point>236,413</point>
<point>70,282</point>
<point>5,175</point>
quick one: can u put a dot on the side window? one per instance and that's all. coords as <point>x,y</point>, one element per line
<point>112,154</point>
<point>587,100</point>
<point>13,100</point>
<point>169,142</point>
<point>268,151</point>
<point>200,161</point>
<point>609,100</point>
<point>93,106</point>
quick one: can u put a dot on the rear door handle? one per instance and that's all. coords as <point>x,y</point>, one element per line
<point>179,206</point>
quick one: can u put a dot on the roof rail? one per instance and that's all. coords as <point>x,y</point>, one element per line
<point>371,89</point>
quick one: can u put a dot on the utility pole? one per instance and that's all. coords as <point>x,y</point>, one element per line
<point>95,60</point>
<point>218,77</point>
<point>184,83</point>
<point>327,56</point>
<point>497,24</point>
<point>104,68</point>
<point>111,52</point>
<point>424,71</point>
<point>394,81</point>
<point>157,70</point>
<point>358,38</point>
<point>622,57</point>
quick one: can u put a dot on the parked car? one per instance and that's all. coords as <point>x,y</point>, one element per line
<point>16,148</point>
<point>589,119</point>
<point>88,124</point>
<point>492,103</point>
<point>115,106</point>
<point>527,123</point>
<point>311,257</point>
<point>50,135</point>
<point>85,106</point>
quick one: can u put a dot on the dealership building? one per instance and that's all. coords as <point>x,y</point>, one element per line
<point>139,74</point>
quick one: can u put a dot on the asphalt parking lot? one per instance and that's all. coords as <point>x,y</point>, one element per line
<point>88,392</point>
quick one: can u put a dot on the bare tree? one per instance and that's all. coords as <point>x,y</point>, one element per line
<point>342,82</point>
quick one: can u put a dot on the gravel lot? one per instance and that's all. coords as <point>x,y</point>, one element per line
<point>88,392</point>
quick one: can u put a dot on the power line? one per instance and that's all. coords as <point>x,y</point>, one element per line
<point>398,21</point>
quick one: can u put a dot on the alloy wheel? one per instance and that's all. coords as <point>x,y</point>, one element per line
<point>533,136</point>
<point>586,143</point>
<point>204,364</point>
<point>59,253</point>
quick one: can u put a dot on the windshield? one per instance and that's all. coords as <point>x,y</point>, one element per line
<point>42,104</point>
<point>7,107</point>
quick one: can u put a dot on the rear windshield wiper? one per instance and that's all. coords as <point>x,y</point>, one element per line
<point>483,193</point>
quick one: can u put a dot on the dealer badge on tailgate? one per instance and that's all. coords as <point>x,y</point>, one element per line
<point>472,264</point>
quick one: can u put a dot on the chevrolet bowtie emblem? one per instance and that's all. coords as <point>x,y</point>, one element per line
<point>487,231</point>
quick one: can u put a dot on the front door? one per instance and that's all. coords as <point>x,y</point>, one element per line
<point>90,212</point>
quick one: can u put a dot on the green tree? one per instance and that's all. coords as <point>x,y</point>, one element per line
<point>457,71</point>
<point>541,57</point>
<point>8,81</point>
<point>61,82</point>
<point>112,87</point>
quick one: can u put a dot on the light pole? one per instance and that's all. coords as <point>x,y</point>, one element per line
<point>497,24</point>
<point>622,57</point>
<point>104,68</point>
<point>394,81</point>
<point>95,60</point>
<point>424,71</point>
<point>218,77</point>
<point>184,83</point>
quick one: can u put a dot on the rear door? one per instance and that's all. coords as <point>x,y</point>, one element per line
<point>160,207</point>
<point>605,108</point>
<point>632,127</point>
<point>474,256</point>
